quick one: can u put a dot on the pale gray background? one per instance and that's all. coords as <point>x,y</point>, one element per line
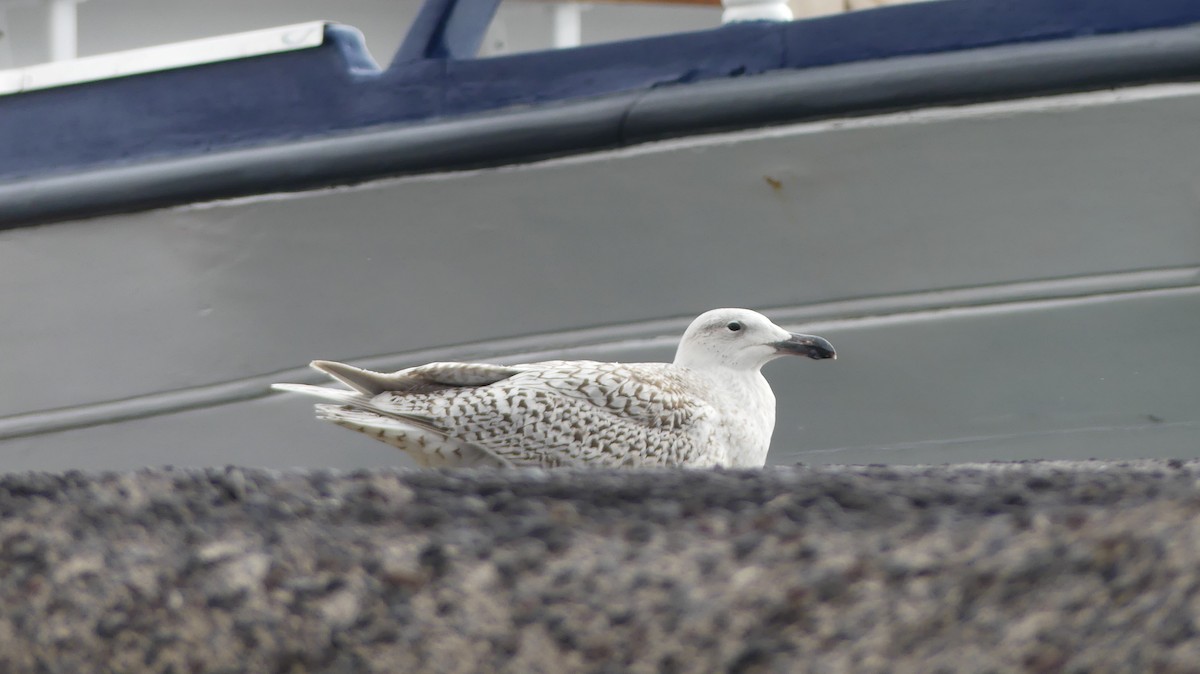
<point>111,25</point>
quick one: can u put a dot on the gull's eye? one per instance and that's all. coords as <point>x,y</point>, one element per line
<point>734,326</point>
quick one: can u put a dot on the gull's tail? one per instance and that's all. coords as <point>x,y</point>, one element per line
<point>337,395</point>
<point>363,381</point>
<point>370,415</point>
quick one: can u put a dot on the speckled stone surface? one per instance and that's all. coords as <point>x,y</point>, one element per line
<point>1035,567</point>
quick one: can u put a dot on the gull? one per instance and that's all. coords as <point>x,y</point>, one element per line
<point>710,407</point>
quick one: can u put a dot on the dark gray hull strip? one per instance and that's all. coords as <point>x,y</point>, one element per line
<point>516,136</point>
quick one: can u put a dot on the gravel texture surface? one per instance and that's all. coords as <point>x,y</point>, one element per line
<point>1032,567</point>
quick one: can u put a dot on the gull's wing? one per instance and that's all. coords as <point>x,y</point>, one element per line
<point>570,412</point>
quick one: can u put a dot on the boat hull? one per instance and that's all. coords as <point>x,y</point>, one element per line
<point>1002,280</point>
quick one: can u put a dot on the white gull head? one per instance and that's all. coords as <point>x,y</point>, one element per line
<point>727,348</point>
<point>743,340</point>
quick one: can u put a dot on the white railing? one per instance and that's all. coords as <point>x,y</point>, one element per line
<point>755,10</point>
<point>163,57</point>
<point>61,29</point>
